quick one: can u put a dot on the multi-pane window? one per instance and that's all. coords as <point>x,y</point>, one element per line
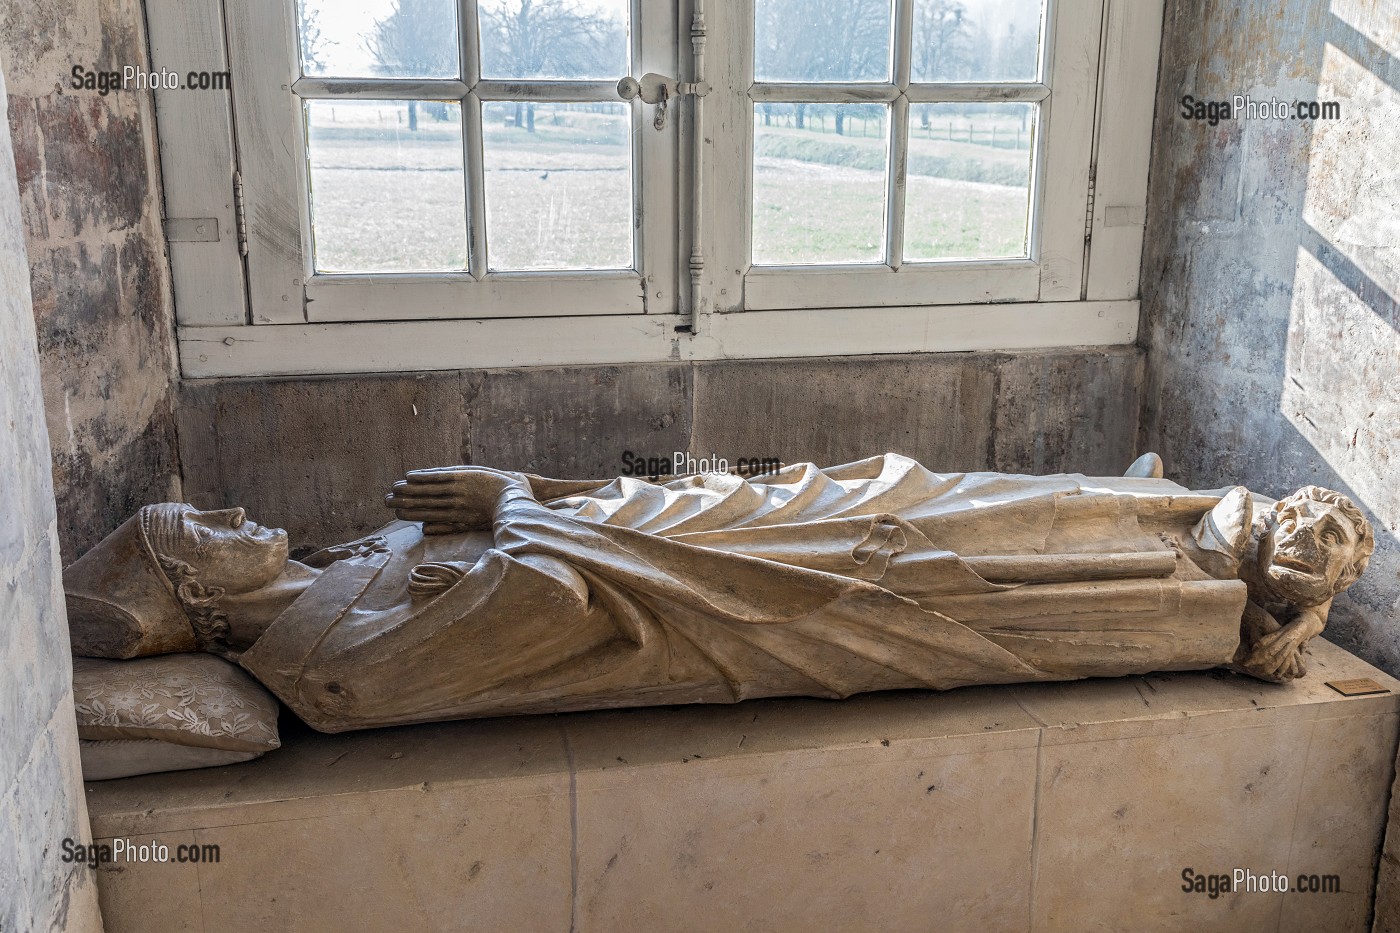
<point>848,97</point>
<point>415,181</point>
<point>455,158</point>
<point>907,152</point>
<point>535,134</point>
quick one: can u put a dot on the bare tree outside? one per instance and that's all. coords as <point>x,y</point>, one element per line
<point>550,39</point>
<point>976,40</point>
<point>943,35</point>
<point>942,40</point>
<point>796,40</point>
<point>416,39</point>
<point>313,44</point>
<point>1019,51</point>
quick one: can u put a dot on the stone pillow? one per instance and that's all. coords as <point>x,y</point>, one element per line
<point>196,701</point>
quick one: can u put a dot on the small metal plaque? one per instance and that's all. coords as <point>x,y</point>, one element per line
<point>192,229</point>
<point>1359,687</point>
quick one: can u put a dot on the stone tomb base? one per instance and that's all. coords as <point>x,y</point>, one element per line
<point>1047,807</point>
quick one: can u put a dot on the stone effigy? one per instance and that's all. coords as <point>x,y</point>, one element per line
<point>499,593</point>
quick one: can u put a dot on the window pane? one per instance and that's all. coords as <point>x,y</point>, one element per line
<point>819,183</point>
<point>554,38</point>
<point>976,40</point>
<point>558,185</point>
<point>821,40</point>
<point>385,38</point>
<point>388,193</point>
<point>968,181</point>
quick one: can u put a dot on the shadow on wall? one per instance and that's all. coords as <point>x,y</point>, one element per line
<point>1273,268</point>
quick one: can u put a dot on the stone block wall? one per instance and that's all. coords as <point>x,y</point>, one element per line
<point>91,208</point>
<point>316,455</point>
<point>41,791</point>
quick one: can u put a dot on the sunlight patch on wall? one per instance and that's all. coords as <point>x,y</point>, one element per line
<point>1353,190</point>
<point>1340,389</point>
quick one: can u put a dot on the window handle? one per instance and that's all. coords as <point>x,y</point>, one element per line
<point>659,90</point>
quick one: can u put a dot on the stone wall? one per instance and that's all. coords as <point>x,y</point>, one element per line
<point>41,792</point>
<point>315,455</point>
<point>1272,271</point>
<point>90,199</point>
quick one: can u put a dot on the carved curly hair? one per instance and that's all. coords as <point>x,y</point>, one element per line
<point>201,605</point>
<point>163,528</point>
<point>1365,537</point>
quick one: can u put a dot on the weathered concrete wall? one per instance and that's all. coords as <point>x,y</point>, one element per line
<point>1272,271</point>
<point>41,791</point>
<point>89,193</point>
<point>316,455</point>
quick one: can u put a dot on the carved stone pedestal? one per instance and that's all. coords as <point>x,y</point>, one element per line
<point>1043,807</point>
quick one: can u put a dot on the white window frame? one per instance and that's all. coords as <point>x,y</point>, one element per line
<point>1079,288</point>
<point>269,92</point>
<point>1059,191</point>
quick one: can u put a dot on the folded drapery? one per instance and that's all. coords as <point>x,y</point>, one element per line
<point>874,575</point>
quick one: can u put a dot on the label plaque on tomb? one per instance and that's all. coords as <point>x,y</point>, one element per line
<point>1360,687</point>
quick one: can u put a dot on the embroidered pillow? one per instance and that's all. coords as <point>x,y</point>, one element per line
<point>194,700</point>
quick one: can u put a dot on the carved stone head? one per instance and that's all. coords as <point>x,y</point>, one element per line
<point>1313,545</point>
<point>223,548</point>
<point>153,585</point>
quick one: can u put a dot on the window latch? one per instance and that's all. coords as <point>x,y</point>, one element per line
<point>658,89</point>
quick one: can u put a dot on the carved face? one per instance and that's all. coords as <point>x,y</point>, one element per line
<point>1307,550</point>
<point>230,552</point>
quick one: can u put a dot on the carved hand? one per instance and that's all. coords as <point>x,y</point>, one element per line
<point>435,578</point>
<point>1278,655</point>
<point>451,499</point>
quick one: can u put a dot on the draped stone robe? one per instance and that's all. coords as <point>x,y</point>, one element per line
<point>874,575</point>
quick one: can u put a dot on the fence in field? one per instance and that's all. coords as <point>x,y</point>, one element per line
<point>1000,137</point>
<point>1005,134</point>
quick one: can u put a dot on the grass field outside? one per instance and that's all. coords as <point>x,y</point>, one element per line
<point>954,159</point>
<point>812,213</point>
<point>387,199</point>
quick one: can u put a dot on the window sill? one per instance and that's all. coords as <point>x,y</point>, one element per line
<point>405,346</point>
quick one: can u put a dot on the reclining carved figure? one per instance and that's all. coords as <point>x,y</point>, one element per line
<point>499,592</point>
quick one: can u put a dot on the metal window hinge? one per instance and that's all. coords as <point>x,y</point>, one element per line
<point>1089,212</point>
<point>241,213</point>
